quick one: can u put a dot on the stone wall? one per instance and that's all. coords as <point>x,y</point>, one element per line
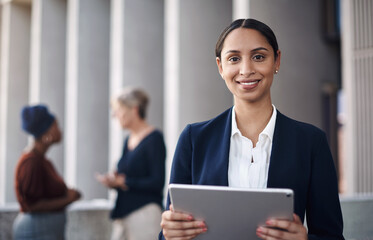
<point>90,219</point>
<point>86,220</point>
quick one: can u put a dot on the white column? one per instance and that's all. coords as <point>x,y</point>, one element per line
<point>241,9</point>
<point>116,83</point>
<point>172,80</point>
<point>136,60</point>
<point>116,78</point>
<point>357,60</point>
<point>15,47</point>
<point>203,92</point>
<point>297,88</point>
<point>87,99</point>
<point>71,92</point>
<point>194,90</point>
<point>143,52</point>
<point>349,89</point>
<point>47,63</point>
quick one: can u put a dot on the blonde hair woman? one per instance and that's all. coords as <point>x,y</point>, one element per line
<point>140,174</point>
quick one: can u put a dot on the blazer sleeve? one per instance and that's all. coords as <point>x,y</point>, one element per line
<point>181,164</point>
<point>324,216</point>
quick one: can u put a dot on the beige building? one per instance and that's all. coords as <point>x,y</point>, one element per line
<point>74,54</point>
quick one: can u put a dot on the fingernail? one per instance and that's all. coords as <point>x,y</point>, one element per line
<point>270,222</point>
<point>204,230</point>
<point>190,217</point>
<point>259,229</point>
<point>202,224</point>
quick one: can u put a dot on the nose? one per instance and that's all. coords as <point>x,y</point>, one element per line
<point>246,67</point>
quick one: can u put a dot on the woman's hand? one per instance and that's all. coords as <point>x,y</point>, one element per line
<point>290,230</point>
<point>55,204</point>
<point>112,180</point>
<point>177,225</point>
<point>73,195</point>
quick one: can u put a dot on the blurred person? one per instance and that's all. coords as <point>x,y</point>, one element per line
<point>253,145</point>
<point>140,174</point>
<point>41,192</point>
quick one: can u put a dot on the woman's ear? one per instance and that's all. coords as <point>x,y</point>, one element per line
<point>278,61</point>
<point>220,67</point>
<point>136,110</point>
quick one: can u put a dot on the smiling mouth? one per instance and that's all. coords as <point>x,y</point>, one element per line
<point>248,83</point>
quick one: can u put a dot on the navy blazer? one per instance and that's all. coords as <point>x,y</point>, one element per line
<point>300,160</point>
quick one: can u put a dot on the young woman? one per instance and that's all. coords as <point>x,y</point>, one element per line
<point>140,175</point>
<point>253,145</point>
<point>41,192</point>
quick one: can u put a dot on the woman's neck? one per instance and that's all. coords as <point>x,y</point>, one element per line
<point>138,127</point>
<point>138,132</point>
<point>39,147</point>
<point>252,118</point>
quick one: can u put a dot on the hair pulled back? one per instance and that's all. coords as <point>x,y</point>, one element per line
<point>251,24</point>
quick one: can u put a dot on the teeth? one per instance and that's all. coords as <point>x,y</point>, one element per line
<point>249,83</point>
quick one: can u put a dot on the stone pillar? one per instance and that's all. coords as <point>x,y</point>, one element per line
<point>203,93</point>
<point>297,88</point>
<point>194,90</point>
<point>241,9</point>
<point>116,79</point>
<point>143,52</point>
<point>136,60</point>
<point>47,65</point>
<point>14,72</point>
<point>87,94</point>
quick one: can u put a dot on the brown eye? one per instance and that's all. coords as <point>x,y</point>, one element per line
<point>233,59</point>
<point>258,58</point>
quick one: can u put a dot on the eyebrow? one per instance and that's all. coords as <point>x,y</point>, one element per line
<point>254,50</point>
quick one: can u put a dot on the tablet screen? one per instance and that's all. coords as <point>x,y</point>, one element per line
<point>231,213</point>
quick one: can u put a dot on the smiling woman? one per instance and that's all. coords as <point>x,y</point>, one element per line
<point>247,65</point>
<point>253,145</point>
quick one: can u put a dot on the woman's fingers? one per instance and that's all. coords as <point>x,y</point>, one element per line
<point>183,225</point>
<point>270,233</point>
<point>297,219</point>
<point>182,234</point>
<point>177,225</point>
<point>283,229</point>
<point>294,226</point>
<point>176,216</point>
<point>176,220</point>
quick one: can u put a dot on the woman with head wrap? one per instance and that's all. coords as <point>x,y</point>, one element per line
<point>41,192</point>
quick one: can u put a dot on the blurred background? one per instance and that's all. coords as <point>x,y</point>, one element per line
<point>73,55</point>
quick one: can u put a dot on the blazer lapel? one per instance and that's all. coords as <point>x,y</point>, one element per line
<point>225,147</point>
<point>278,167</point>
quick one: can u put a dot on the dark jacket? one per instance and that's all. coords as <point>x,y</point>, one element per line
<point>300,160</point>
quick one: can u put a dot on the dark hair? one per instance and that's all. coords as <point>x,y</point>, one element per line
<point>251,24</point>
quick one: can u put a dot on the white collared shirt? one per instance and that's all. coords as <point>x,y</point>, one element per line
<point>248,166</point>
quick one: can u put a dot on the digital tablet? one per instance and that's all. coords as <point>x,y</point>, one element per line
<point>231,213</point>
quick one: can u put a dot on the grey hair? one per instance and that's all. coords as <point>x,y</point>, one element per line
<point>133,97</point>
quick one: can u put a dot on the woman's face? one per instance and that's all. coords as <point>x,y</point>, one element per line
<point>247,65</point>
<point>124,114</point>
<point>54,133</point>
